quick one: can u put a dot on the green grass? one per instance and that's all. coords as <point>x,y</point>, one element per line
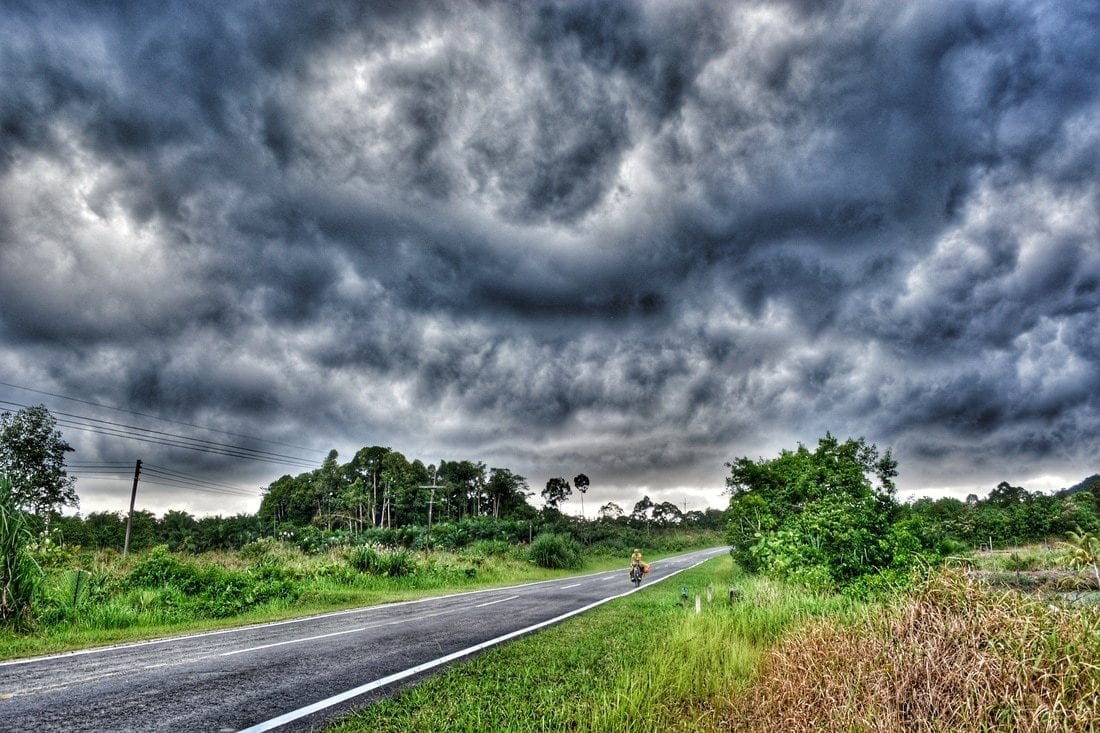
<point>640,663</point>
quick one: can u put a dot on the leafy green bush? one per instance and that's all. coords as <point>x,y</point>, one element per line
<point>160,568</point>
<point>490,548</point>
<point>260,548</point>
<point>556,551</point>
<point>879,586</point>
<point>364,559</point>
<point>212,591</point>
<point>388,564</point>
<point>20,576</point>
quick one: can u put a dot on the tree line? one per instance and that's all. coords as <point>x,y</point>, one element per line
<point>378,496</point>
<point>380,487</point>
<point>828,517</point>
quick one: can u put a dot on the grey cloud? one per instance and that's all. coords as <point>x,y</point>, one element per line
<point>653,236</point>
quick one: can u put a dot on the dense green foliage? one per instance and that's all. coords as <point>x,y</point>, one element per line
<point>381,488</point>
<point>1008,516</point>
<point>828,517</point>
<point>815,516</point>
<point>20,575</point>
<point>556,551</point>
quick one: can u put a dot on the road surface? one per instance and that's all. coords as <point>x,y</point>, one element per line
<point>291,675</point>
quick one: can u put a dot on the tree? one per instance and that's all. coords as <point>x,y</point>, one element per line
<point>289,499</point>
<point>557,490</point>
<point>465,481</point>
<point>667,513</point>
<point>610,512</point>
<point>580,483</point>
<point>643,509</point>
<point>508,492</point>
<point>814,514</point>
<point>367,466</point>
<point>327,483</point>
<point>177,529</point>
<point>1006,495</point>
<point>32,456</point>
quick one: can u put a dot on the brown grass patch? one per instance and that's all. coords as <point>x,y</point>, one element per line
<point>954,656</point>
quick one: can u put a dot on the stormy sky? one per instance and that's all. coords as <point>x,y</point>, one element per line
<point>630,239</point>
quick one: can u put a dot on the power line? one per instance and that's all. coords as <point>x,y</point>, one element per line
<point>155,478</point>
<point>177,444</point>
<point>148,469</point>
<point>175,440</point>
<point>163,476</point>
<point>173,485</point>
<point>157,417</point>
<point>177,436</point>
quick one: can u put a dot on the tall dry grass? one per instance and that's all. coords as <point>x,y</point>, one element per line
<point>953,656</point>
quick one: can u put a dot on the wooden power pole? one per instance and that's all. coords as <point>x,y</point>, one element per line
<point>130,518</point>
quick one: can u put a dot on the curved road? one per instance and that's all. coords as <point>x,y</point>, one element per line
<point>291,675</point>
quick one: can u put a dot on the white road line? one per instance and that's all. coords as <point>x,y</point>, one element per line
<point>292,641</point>
<point>379,625</point>
<point>411,671</point>
<point>499,600</point>
<point>566,587</point>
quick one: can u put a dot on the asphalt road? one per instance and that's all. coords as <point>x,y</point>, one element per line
<point>291,675</point>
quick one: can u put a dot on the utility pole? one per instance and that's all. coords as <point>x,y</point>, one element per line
<point>130,518</point>
<point>431,502</point>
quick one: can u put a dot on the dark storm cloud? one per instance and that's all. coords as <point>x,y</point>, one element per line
<point>636,239</point>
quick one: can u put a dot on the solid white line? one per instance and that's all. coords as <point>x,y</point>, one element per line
<point>499,600</point>
<point>398,676</point>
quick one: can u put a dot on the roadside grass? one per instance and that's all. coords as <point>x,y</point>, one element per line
<point>641,663</point>
<point>953,655</point>
<point>94,599</point>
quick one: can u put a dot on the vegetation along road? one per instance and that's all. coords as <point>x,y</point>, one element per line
<point>290,675</point>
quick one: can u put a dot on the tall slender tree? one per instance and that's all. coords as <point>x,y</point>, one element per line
<point>580,483</point>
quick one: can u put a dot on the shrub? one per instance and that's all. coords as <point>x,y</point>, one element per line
<point>260,548</point>
<point>20,576</point>
<point>390,564</point>
<point>210,591</point>
<point>555,551</point>
<point>364,559</point>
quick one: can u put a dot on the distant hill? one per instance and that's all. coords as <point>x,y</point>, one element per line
<point>1092,483</point>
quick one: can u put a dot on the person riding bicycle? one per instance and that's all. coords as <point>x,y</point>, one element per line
<point>636,560</point>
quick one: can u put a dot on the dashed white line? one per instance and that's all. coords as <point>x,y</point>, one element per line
<point>291,641</point>
<point>499,600</point>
